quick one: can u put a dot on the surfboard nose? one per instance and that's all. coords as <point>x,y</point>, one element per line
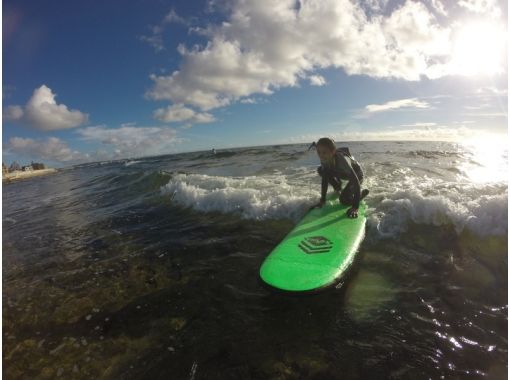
<point>295,276</point>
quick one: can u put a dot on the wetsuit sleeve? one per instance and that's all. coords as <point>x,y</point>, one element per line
<point>324,186</point>
<point>357,188</point>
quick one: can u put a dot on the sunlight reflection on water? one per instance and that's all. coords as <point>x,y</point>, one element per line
<point>489,162</point>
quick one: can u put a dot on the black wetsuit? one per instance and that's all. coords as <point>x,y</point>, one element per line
<point>344,168</point>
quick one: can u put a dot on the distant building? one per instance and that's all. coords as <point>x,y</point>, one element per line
<point>27,168</point>
<point>5,169</point>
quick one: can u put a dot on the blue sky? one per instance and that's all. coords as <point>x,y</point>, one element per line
<point>137,78</point>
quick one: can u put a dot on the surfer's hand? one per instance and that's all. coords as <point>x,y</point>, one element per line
<point>352,212</point>
<point>318,205</point>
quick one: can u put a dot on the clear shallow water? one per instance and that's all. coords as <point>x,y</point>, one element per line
<point>148,268</point>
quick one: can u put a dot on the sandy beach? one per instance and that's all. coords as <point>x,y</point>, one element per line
<point>17,175</point>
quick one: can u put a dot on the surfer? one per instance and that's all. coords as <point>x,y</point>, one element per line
<point>338,165</point>
<point>312,145</point>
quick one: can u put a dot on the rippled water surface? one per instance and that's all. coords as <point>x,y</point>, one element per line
<point>148,269</point>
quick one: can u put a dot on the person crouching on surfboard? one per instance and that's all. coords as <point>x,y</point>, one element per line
<point>338,165</point>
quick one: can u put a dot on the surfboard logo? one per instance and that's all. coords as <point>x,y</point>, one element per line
<point>315,244</point>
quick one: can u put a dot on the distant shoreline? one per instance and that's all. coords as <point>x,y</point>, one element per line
<point>17,175</point>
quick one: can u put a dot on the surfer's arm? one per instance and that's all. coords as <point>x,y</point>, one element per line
<point>324,183</point>
<point>324,187</point>
<point>353,211</point>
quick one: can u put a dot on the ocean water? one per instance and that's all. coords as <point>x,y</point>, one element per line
<point>148,269</point>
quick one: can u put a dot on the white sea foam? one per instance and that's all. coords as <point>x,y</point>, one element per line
<point>482,209</point>
<point>253,197</point>
<point>481,214</point>
<point>129,163</point>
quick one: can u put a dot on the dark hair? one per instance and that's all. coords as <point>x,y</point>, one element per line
<point>327,142</point>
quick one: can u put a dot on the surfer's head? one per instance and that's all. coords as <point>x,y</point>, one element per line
<point>326,149</point>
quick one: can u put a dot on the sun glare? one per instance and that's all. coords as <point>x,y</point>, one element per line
<point>489,159</point>
<point>479,49</point>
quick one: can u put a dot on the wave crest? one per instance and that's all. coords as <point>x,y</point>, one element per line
<point>259,198</point>
<point>484,215</point>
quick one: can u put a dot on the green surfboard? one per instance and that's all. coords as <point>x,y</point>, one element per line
<point>318,251</point>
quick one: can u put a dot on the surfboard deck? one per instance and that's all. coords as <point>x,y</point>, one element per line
<point>318,251</point>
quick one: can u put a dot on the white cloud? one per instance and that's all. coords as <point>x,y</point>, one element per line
<point>476,107</point>
<point>438,133</point>
<point>464,122</point>
<point>415,134</point>
<point>42,112</point>
<point>317,80</point>
<point>270,44</point>
<point>491,90</point>
<point>248,101</point>
<point>132,141</point>
<point>13,113</point>
<point>179,113</point>
<point>173,17</point>
<point>488,114</point>
<point>155,38</point>
<point>396,104</point>
<point>439,7</point>
<point>52,149</point>
<point>481,6</point>
<point>420,124</point>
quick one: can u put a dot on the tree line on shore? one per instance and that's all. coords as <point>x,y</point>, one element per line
<point>16,167</point>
